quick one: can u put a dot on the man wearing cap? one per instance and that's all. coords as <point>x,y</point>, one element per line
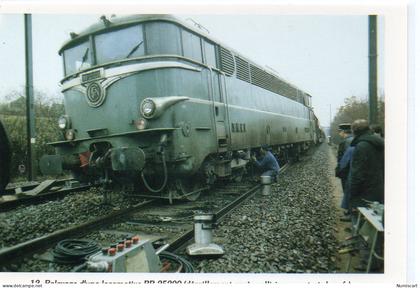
<point>343,163</point>
<point>268,163</point>
<point>344,130</point>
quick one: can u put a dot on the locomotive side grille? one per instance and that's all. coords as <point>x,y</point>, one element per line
<point>242,69</point>
<point>252,74</point>
<point>277,86</point>
<point>286,90</point>
<point>226,61</point>
<point>269,82</point>
<point>261,78</point>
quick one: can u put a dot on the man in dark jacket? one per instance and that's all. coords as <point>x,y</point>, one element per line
<point>367,166</point>
<point>366,179</point>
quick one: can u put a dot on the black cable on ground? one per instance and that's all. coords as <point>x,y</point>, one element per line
<point>74,251</point>
<point>187,266</point>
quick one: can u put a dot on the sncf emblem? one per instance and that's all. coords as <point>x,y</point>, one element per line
<point>95,95</point>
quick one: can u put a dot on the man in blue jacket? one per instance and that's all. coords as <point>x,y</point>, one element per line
<point>343,164</point>
<point>268,163</point>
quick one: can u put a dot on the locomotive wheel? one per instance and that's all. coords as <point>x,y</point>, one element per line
<point>186,188</point>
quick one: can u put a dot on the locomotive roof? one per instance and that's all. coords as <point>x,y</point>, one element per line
<point>126,21</point>
<point>122,21</point>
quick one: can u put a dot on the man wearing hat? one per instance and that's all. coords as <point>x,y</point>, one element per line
<point>344,130</point>
<point>268,163</point>
<point>343,165</point>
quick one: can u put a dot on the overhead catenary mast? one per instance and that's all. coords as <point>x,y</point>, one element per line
<point>29,92</point>
<point>373,55</point>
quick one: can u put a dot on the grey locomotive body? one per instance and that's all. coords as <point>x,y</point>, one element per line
<point>150,97</point>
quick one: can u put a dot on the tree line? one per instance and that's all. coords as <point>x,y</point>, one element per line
<point>352,110</point>
<point>13,116</point>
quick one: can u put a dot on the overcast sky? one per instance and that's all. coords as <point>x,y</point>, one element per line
<point>326,56</point>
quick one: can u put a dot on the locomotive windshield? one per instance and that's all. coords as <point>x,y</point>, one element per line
<point>77,58</point>
<point>152,38</point>
<point>120,44</point>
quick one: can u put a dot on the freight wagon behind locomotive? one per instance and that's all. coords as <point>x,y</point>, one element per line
<point>150,99</point>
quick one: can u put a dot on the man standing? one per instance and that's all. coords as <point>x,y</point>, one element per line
<point>343,163</point>
<point>344,130</point>
<point>366,181</point>
<point>268,163</point>
<point>367,166</point>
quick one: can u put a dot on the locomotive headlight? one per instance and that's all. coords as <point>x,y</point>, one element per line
<point>64,122</point>
<point>147,108</point>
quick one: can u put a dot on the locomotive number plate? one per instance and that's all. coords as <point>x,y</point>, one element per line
<point>91,76</point>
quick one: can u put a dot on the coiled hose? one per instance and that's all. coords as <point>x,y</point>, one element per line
<point>74,251</point>
<point>187,267</point>
<point>165,175</point>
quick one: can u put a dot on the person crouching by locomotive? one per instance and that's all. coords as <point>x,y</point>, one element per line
<point>268,163</point>
<point>367,166</point>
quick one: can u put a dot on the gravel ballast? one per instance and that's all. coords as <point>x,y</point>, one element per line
<point>29,222</point>
<point>291,230</point>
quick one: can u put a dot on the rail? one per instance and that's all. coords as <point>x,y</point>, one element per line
<point>187,236</point>
<point>24,198</point>
<point>34,245</point>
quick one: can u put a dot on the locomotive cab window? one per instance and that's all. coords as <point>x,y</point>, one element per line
<point>216,88</point>
<point>77,58</point>
<point>191,46</point>
<point>163,38</point>
<point>119,44</point>
<point>210,52</point>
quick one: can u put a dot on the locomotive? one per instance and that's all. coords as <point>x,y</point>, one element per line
<point>152,100</point>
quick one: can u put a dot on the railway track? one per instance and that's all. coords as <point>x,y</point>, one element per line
<point>25,187</point>
<point>46,241</point>
<point>224,200</point>
<point>36,193</point>
<point>181,241</point>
